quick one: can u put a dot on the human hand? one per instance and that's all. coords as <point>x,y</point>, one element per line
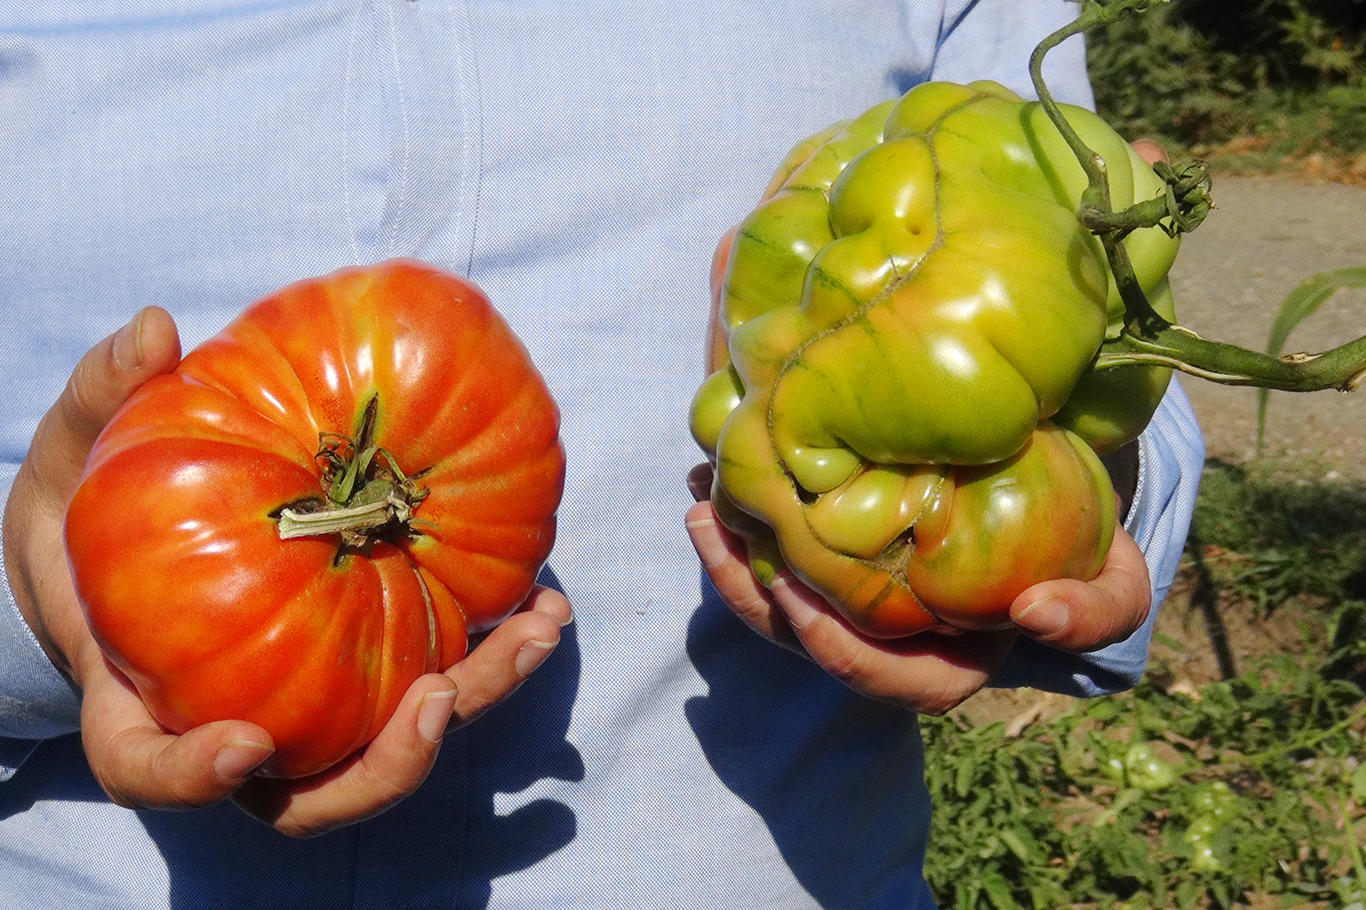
<point>397,761</point>
<point>1149,150</point>
<point>931,672</point>
<point>134,759</point>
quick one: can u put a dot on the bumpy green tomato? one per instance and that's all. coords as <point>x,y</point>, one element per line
<point>1111,407</point>
<point>973,544</point>
<point>1215,801</point>
<point>1144,770</point>
<point>1212,811</point>
<point>1201,839</point>
<point>914,297</point>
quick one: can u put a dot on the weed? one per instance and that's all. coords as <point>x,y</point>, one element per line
<point>1244,788</point>
<point>1248,86</point>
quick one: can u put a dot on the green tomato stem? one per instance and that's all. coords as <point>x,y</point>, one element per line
<point>1147,338</point>
<point>1342,368</point>
<point>368,495</point>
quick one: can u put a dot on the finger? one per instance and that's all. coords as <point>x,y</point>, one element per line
<point>399,759</point>
<point>1149,150</point>
<point>726,563</point>
<point>140,765</point>
<point>699,482</point>
<point>929,673</point>
<point>391,767</point>
<point>508,655</point>
<point>1083,616</point>
<point>102,381</point>
<point>548,602</point>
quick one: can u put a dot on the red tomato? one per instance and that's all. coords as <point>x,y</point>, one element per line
<point>401,378</point>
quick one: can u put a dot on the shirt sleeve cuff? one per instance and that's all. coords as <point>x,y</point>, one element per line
<point>1171,457</point>
<point>36,700</point>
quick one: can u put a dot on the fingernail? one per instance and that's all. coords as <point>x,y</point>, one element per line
<point>532,655</point>
<point>128,345</point>
<point>433,713</point>
<point>710,548</point>
<point>239,758</point>
<point>799,612</point>
<point>1044,618</point>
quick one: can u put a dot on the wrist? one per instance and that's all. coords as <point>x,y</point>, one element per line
<point>37,701</point>
<point>21,575</point>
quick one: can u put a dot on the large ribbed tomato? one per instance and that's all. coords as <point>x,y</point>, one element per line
<point>902,395</point>
<point>318,506</point>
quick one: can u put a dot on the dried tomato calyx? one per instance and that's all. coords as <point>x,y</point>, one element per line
<point>368,495</point>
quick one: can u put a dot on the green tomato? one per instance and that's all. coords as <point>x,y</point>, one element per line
<point>1110,407</point>
<point>903,315</point>
<point>1113,768</point>
<point>1207,838</point>
<point>1145,771</point>
<point>1216,801</point>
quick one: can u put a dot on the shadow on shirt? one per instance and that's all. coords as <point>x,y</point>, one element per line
<point>836,778</point>
<point>441,847</point>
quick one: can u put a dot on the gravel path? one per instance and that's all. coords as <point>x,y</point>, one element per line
<point>1264,236</point>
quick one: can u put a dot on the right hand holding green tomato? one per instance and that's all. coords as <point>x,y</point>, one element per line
<point>900,414</point>
<point>931,672</point>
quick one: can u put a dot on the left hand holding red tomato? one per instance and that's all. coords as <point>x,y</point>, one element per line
<point>930,673</point>
<point>397,761</point>
<point>134,759</point>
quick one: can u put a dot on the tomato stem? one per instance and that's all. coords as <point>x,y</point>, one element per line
<point>1342,368</point>
<point>354,519</point>
<point>368,495</point>
<point>1146,337</point>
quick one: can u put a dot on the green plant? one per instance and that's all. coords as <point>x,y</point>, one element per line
<point>1288,77</point>
<point>1196,797</point>
<point>1158,76</point>
<point>1273,538</point>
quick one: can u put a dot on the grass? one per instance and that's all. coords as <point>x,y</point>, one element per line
<point>1223,780</point>
<point>1318,136</point>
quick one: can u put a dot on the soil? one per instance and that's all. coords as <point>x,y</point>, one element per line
<point>1265,235</point>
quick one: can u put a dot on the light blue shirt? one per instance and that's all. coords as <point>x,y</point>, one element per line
<point>579,162</point>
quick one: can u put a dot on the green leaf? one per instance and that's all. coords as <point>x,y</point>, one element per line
<point>1359,784</point>
<point>1016,845</point>
<point>963,778</point>
<point>998,892</point>
<point>1299,305</point>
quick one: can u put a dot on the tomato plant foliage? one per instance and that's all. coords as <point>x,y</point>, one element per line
<point>1243,790</point>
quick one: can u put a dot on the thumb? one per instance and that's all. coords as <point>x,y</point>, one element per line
<point>1083,616</point>
<point>103,380</point>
